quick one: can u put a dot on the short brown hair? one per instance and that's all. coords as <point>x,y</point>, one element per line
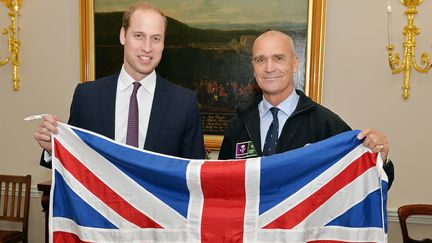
<point>142,6</point>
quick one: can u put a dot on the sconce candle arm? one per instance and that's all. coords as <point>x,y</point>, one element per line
<point>7,57</point>
<point>13,41</point>
<point>408,62</point>
<point>394,60</point>
<point>425,61</point>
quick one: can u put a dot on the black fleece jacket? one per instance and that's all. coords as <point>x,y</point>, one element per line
<point>309,123</point>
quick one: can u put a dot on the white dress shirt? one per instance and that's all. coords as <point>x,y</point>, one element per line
<point>145,96</point>
<point>286,108</point>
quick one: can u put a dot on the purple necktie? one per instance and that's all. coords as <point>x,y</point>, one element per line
<point>133,124</point>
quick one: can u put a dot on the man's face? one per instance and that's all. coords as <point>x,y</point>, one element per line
<point>143,43</point>
<point>274,64</point>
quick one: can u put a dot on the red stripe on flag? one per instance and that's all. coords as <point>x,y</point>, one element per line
<point>101,190</point>
<point>65,237</point>
<point>223,186</point>
<point>302,210</point>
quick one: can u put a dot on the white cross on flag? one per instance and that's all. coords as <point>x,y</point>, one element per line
<point>331,191</point>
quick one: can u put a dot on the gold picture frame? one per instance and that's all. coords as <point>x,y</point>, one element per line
<point>314,53</point>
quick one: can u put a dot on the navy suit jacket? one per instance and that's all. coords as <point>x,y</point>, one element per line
<point>174,126</point>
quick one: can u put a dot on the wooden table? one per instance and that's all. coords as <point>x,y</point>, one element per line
<point>45,188</point>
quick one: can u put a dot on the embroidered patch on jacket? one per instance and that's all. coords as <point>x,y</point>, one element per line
<point>245,149</point>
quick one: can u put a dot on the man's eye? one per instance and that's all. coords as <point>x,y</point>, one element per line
<point>280,58</point>
<point>258,60</point>
<point>157,38</point>
<point>138,36</point>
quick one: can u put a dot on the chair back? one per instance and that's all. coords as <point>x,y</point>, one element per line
<point>16,201</point>
<point>410,210</point>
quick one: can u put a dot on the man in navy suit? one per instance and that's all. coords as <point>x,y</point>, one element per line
<point>168,115</point>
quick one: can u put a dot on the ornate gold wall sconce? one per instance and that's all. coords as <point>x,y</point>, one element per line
<point>409,31</point>
<point>13,42</point>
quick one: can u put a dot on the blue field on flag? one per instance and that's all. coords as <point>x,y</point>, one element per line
<point>331,191</point>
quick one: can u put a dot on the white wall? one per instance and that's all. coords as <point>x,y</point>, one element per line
<point>49,72</point>
<point>357,85</point>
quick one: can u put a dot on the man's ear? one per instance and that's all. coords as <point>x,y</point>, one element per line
<point>122,36</point>
<point>295,64</point>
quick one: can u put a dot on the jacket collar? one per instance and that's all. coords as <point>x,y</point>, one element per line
<point>160,104</point>
<point>250,115</point>
<point>109,100</point>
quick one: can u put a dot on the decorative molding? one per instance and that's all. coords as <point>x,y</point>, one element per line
<point>421,219</point>
<point>34,192</point>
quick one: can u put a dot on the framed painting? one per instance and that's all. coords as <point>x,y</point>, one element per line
<point>208,49</point>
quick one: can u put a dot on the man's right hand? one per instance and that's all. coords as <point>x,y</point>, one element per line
<point>43,131</point>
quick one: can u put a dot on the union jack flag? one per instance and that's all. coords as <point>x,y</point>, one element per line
<point>103,191</point>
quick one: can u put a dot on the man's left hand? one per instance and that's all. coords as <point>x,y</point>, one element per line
<point>376,141</point>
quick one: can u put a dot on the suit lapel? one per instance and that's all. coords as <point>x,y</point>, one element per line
<point>108,97</point>
<point>157,114</point>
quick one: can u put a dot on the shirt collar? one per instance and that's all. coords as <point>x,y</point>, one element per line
<point>287,106</point>
<point>148,83</point>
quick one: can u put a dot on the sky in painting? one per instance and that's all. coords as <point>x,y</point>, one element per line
<point>222,11</point>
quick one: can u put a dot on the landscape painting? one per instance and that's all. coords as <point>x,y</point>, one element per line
<point>208,49</point>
